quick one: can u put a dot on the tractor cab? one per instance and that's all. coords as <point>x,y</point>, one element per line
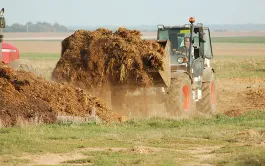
<point>188,42</point>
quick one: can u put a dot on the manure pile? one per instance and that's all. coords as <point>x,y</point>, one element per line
<point>27,98</point>
<point>95,58</point>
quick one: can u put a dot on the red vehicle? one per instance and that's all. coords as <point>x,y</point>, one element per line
<point>9,53</point>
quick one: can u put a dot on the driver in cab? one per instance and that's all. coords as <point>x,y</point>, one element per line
<point>184,50</point>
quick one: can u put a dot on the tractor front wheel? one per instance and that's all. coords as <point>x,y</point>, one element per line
<point>179,96</point>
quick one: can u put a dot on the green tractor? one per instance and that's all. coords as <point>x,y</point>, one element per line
<point>187,82</point>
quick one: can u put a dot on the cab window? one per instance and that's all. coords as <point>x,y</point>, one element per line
<point>207,45</point>
<point>163,35</point>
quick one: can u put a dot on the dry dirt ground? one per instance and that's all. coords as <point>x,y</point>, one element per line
<point>37,46</point>
<point>238,95</point>
<point>236,49</point>
<point>37,35</point>
<point>201,153</point>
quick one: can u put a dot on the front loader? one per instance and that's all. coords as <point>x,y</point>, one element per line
<point>187,79</point>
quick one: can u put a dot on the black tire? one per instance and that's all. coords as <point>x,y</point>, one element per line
<point>208,102</point>
<point>179,96</point>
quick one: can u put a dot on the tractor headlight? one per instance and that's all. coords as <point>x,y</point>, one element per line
<point>180,60</point>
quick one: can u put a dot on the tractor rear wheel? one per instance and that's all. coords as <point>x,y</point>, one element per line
<point>179,96</point>
<point>208,102</point>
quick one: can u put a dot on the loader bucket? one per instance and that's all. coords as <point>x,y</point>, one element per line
<point>162,78</point>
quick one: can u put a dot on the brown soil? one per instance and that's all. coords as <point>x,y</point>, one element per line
<point>8,35</point>
<point>95,58</point>
<point>238,95</point>
<point>37,46</point>
<point>238,49</point>
<point>26,97</point>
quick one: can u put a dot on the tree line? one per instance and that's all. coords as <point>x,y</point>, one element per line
<point>35,27</point>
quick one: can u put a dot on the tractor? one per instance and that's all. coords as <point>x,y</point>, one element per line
<point>9,54</point>
<point>187,81</point>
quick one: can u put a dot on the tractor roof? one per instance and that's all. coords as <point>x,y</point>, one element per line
<point>198,25</point>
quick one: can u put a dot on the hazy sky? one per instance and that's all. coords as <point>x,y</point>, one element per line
<point>133,12</point>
